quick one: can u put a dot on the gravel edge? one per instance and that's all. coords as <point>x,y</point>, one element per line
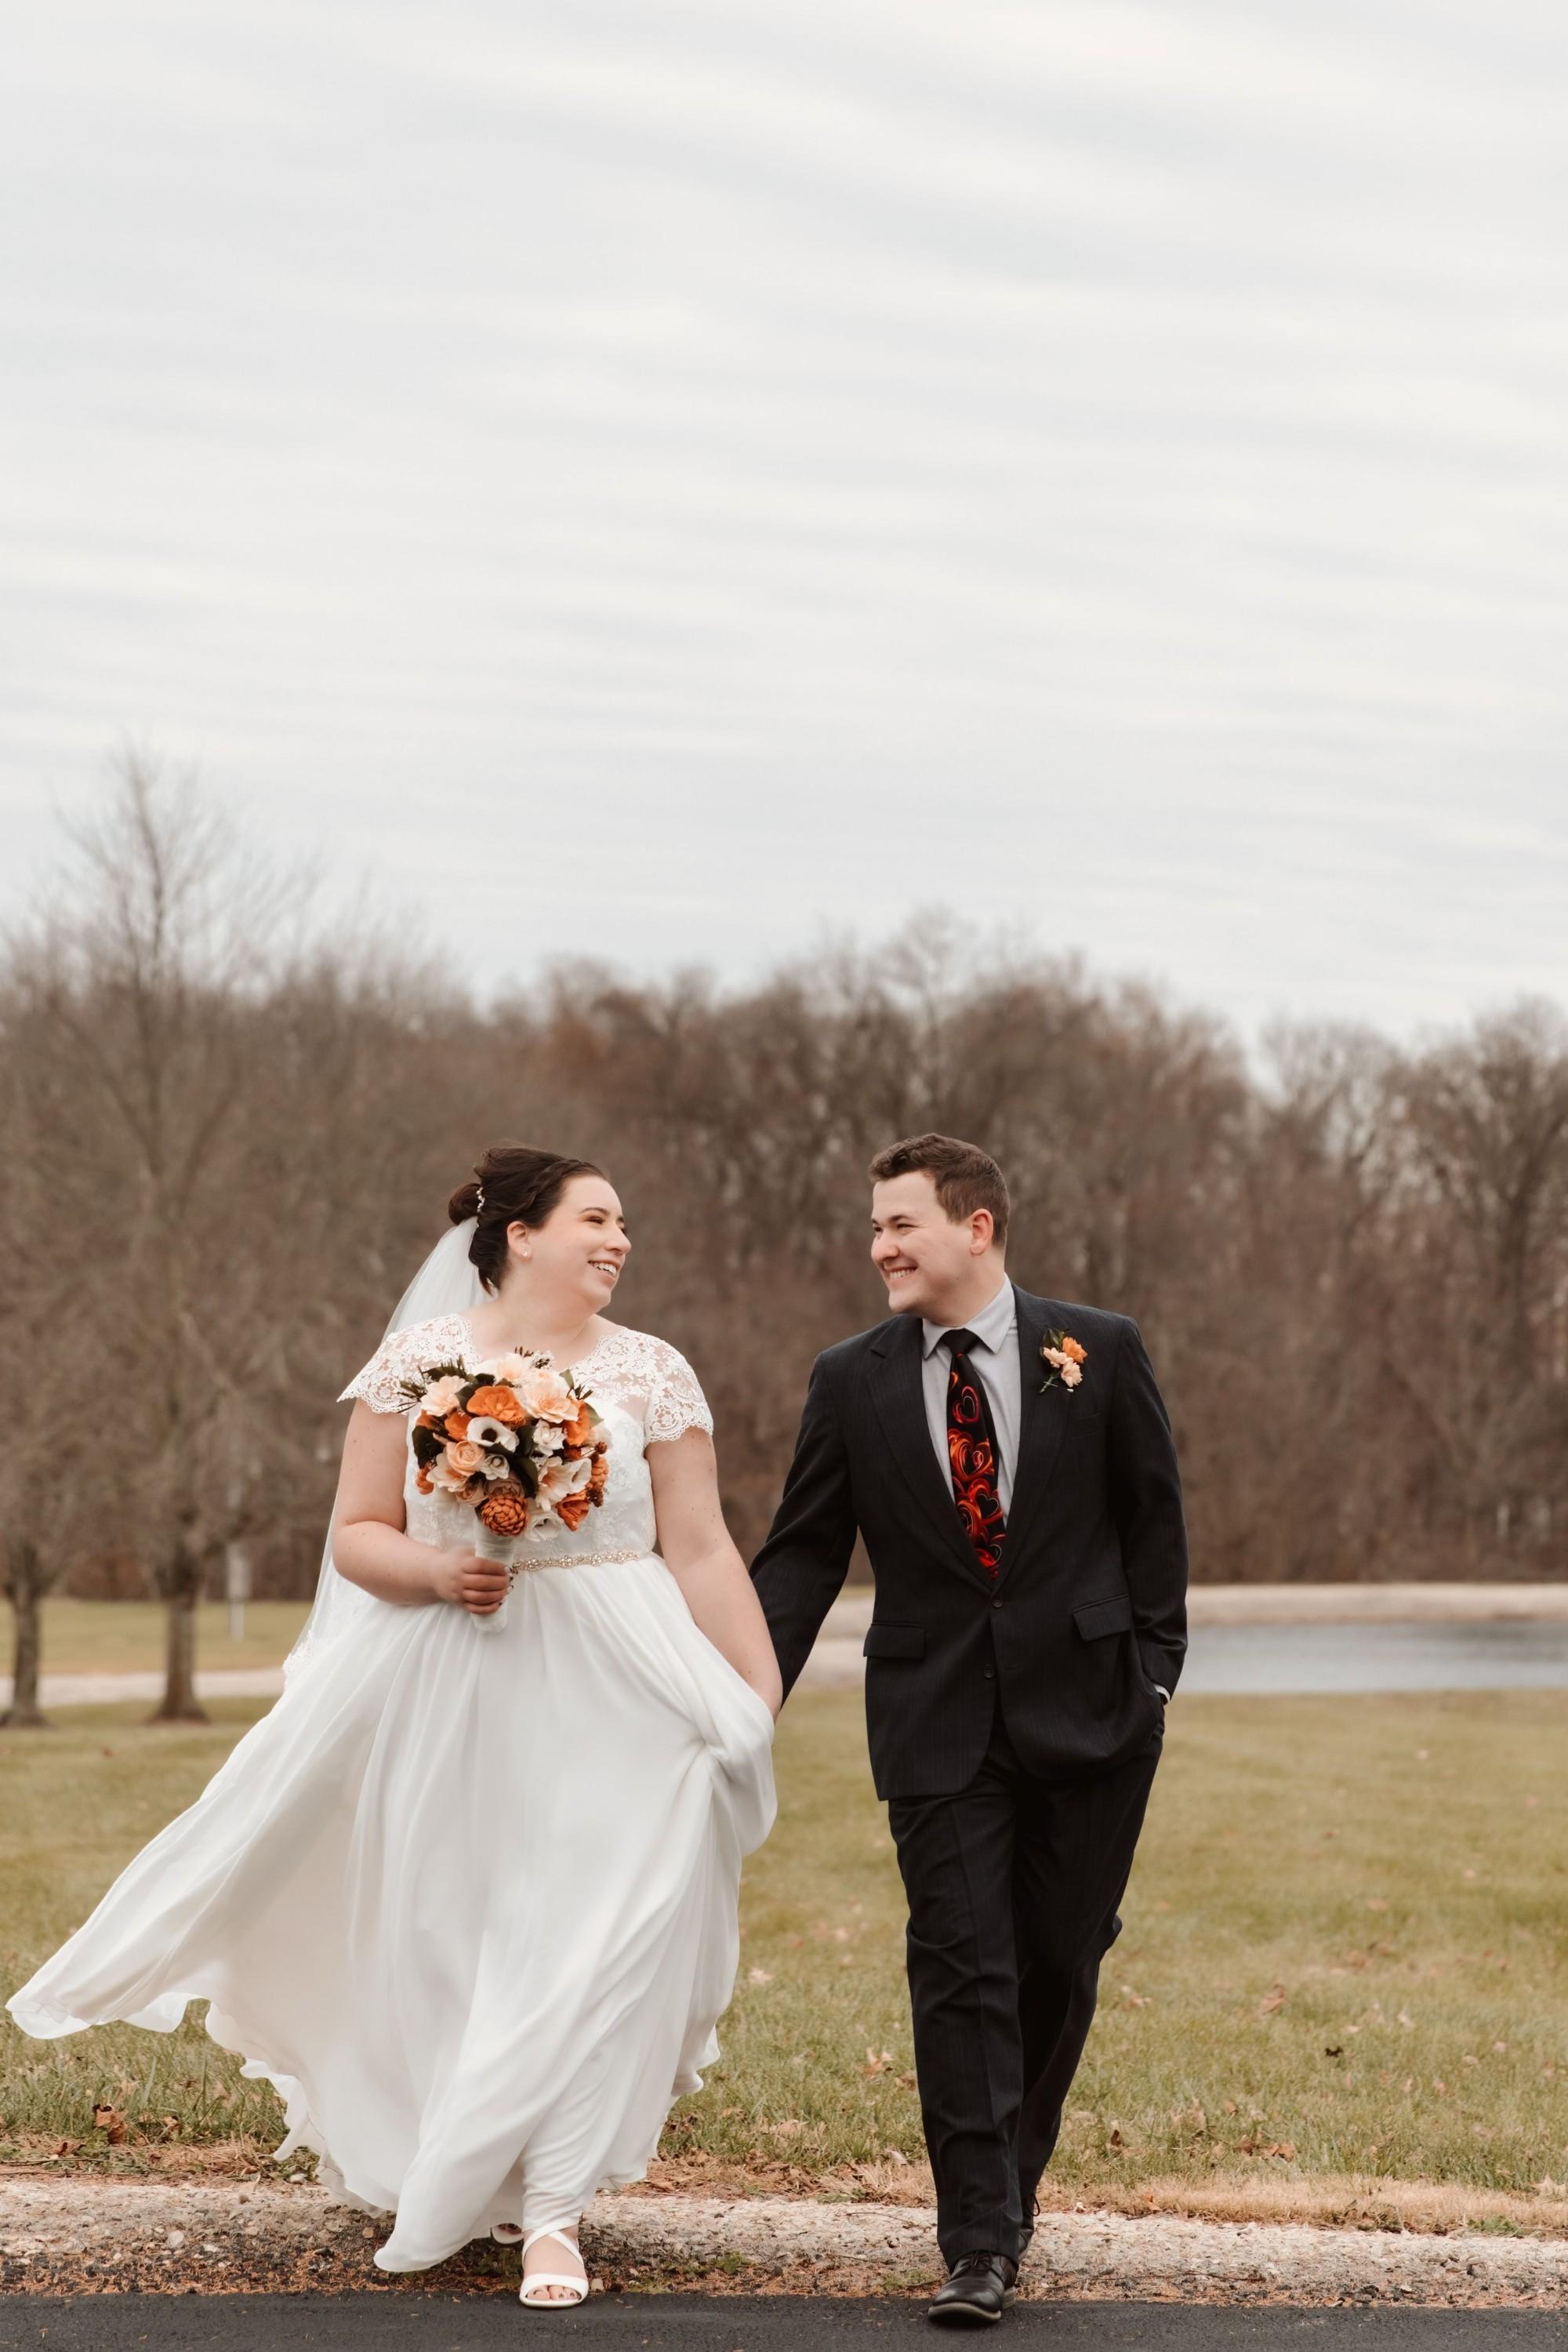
<point>113,2237</point>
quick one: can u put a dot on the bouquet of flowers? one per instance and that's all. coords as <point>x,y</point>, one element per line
<point>519,1442</point>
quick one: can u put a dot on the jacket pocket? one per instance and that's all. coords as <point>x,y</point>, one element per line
<point>1095,1619</point>
<point>894,1641</point>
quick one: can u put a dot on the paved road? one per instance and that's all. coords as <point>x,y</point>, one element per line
<point>680,2323</point>
<point>1467,1652</point>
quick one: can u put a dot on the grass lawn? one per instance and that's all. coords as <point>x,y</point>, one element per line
<point>1344,1953</point>
<point>106,1637</point>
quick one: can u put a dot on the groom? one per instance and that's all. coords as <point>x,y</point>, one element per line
<point>1009,1462</point>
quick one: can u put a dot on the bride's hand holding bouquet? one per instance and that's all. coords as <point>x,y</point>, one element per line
<point>520,1444</point>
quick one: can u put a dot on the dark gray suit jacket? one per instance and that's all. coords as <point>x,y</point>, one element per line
<point>1088,1611</point>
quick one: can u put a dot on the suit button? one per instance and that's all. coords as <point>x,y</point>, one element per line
<point>989,1673</point>
<point>996,1604</point>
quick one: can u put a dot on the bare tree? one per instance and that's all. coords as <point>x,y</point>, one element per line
<point>139,982</point>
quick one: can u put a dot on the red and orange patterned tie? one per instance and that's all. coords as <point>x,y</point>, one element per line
<point>972,1453</point>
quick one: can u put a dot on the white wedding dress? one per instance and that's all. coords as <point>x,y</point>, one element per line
<point>467,1895</point>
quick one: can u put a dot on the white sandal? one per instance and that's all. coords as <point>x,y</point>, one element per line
<point>578,2287</point>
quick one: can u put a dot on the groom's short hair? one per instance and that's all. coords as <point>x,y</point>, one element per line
<point>965,1178</point>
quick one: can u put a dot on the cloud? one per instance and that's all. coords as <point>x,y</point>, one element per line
<point>1093,463</point>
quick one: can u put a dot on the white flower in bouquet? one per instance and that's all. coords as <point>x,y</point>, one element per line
<point>484,1430</point>
<point>558,1479</point>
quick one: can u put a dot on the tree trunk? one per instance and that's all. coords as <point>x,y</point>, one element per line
<point>179,1703</point>
<point>24,1712</point>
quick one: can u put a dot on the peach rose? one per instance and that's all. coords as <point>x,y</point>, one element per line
<point>442,1395</point>
<point>1071,1375</point>
<point>545,1395</point>
<point>447,1480</point>
<point>499,1404</point>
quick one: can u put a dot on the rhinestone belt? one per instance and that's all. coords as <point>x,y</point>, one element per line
<point>581,1560</point>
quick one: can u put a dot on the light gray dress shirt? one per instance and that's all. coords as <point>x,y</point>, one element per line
<point>995,1360</point>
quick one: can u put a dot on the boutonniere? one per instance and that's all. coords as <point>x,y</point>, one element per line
<point>1067,1357</point>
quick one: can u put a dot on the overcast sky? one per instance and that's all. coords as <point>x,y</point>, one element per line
<point>664,479</point>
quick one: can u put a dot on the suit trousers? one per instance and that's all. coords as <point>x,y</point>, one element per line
<point>1013,1887</point>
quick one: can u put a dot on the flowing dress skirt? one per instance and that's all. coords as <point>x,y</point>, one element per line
<point>466,1897</point>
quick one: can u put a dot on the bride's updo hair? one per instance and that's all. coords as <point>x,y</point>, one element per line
<point>512,1185</point>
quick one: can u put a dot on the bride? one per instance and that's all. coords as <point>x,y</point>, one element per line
<point>467,1895</point>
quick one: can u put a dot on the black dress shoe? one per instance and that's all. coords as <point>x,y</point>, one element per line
<point>979,2291</point>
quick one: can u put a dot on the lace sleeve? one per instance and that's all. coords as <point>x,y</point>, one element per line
<point>675,1402</point>
<point>401,1356</point>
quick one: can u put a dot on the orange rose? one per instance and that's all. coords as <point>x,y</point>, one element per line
<point>1075,1352</point>
<point>578,1432</point>
<point>456,1424</point>
<point>573,1509</point>
<point>505,1508</point>
<point>422,1481</point>
<point>498,1404</point>
<point>599,1477</point>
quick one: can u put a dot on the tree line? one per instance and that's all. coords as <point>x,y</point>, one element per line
<point>230,1129</point>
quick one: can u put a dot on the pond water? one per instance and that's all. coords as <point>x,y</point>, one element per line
<point>1519,1653</point>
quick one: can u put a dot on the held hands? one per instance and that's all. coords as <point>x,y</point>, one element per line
<point>477,1585</point>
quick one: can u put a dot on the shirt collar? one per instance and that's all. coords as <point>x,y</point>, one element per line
<point>990,1327</point>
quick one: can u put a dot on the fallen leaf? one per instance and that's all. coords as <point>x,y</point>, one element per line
<point>110,2121</point>
<point>759,1976</point>
<point>1375,1903</point>
<point>1406,2018</point>
<point>909,2082</point>
<point>1335,2050</point>
<point>1271,2001</point>
<point>1285,2149</point>
<point>876,2062</point>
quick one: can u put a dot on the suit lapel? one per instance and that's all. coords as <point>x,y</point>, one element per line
<point>896,1382</point>
<point>1041,1425</point>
